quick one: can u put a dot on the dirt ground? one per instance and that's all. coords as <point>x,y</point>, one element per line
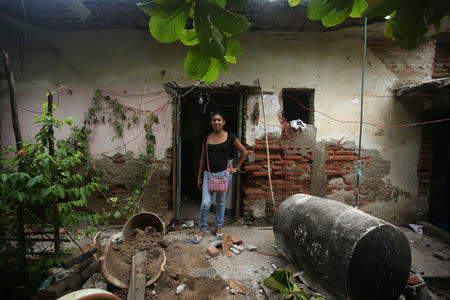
<point>207,278</point>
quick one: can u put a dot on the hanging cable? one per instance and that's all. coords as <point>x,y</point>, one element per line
<point>358,171</point>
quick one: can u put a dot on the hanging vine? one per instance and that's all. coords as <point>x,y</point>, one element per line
<point>107,110</point>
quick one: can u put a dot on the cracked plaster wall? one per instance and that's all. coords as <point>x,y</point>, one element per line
<point>329,63</point>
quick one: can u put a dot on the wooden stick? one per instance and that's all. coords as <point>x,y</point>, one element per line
<point>51,151</point>
<point>267,148</point>
<point>267,253</point>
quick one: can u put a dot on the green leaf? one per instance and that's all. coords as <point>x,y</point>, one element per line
<point>33,180</point>
<point>168,30</point>
<point>219,43</point>
<point>196,63</point>
<point>213,71</point>
<point>293,3</point>
<point>117,214</point>
<point>381,8</point>
<point>223,65</point>
<point>234,48</point>
<point>20,196</point>
<point>335,17</point>
<point>225,20</point>
<point>237,4</point>
<point>189,37</point>
<point>45,162</point>
<point>158,10</point>
<point>343,4</point>
<point>317,9</point>
<point>409,24</point>
<point>359,6</point>
<point>389,28</point>
<point>4,177</point>
<point>60,191</point>
<point>220,3</point>
<point>48,190</point>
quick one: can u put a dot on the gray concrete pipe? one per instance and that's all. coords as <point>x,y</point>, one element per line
<point>351,254</point>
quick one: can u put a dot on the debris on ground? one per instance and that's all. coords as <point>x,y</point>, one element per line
<point>212,251</point>
<point>416,228</point>
<point>236,249</point>
<point>236,240</point>
<point>251,248</point>
<point>180,288</point>
<point>227,241</point>
<point>237,286</point>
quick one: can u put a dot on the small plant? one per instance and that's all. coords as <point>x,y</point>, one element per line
<point>33,181</point>
<point>281,280</point>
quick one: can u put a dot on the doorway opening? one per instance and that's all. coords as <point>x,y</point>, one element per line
<point>195,109</point>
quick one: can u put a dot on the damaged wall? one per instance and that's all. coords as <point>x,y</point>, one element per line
<point>328,63</point>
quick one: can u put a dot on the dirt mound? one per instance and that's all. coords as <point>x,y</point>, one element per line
<point>184,260</point>
<point>147,240</point>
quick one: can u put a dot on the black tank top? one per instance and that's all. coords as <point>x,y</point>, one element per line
<point>219,154</point>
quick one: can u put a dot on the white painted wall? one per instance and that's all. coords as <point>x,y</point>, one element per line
<point>330,63</point>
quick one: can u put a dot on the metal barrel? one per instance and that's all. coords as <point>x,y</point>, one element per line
<point>351,254</point>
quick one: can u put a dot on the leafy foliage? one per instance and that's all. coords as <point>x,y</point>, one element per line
<point>281,280</point>
<point>34,182</point>
<point>118,115</point>
<point>205,25</point>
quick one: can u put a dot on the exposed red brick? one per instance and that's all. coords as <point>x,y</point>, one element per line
<point>120,192</point>
<point>260,173</point>
<point>333,148</point>
<point>271,147</point>
<point>343,158</point>
<point>264,157</point>
<point>344,152</point>
<point>212,251</point>
<point>253,168</point>
<point>284,162</point>
<point>293,157</point>
<point>276,168</point>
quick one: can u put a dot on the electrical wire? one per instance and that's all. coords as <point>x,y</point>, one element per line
<point>367,123</point>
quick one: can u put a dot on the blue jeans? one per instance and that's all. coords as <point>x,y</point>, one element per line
<point>207,197</point>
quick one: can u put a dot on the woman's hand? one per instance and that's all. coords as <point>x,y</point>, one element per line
<point>232,170</point>
<point>199,183</point>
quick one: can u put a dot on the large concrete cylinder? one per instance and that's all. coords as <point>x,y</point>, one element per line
<point>351,254</point>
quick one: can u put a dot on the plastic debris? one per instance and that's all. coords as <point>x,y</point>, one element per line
<point>417,228</point>
<point>180,288</point>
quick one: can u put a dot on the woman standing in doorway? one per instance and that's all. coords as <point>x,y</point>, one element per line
<point>217,149</point>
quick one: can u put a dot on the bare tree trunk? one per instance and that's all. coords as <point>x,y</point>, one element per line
<point>19,143</point>
<point>12,101</point>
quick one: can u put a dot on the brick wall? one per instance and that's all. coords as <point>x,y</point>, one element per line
<point>341,166</point>
<point>409,65</point>
<point>441,66</point>
<point>424,173</point>
<point>290,174</point>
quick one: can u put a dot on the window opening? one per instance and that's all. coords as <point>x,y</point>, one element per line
<point>298,104</point>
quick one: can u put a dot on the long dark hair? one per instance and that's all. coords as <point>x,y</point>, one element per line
<point>216,112</point>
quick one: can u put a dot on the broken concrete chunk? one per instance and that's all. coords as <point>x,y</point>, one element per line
<point>236,249</point>
<point>212,251</point>
<point>251,248</point>
<point>117,239</point>
<point>236,240</point>
<point>215,243</point>
<point>180,288</point>
<point>190,224</point>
